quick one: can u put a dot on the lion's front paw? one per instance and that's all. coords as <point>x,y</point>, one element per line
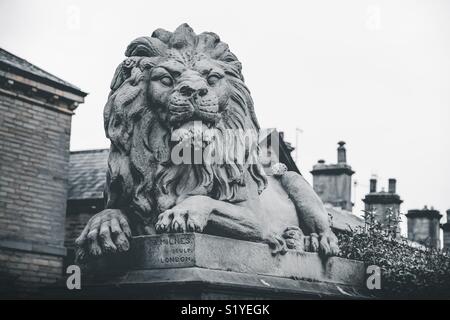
<point>180,220</point>
<point>328,244</point>
<point>189,215</point>
<point>107,231</point>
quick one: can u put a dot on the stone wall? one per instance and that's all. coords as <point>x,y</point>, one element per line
<point>34,171</point>
<point>36,110</point>
<point>33,187</point>
<point>22,273</point>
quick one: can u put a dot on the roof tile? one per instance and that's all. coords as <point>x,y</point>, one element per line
<point>87,174</point>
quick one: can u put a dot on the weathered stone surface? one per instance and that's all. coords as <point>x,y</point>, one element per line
<point>170,251</point>
<point>199,266</point>
<point>182,91</point>
<point>200,283</point>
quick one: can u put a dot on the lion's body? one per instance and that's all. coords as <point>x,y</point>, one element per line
<point>169,82</point>
<point>278,209</point>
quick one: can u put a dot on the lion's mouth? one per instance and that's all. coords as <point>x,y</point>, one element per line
<point>196,133</point>
<point>180,113</point>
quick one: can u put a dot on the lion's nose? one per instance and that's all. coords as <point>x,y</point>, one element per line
<point>188,91</point>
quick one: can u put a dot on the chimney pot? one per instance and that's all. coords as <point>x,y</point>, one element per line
<point>373,185</point>
<point>392,185</point>
<point>342,157</point>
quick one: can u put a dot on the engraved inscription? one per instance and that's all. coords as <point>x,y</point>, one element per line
<point>167,251</point>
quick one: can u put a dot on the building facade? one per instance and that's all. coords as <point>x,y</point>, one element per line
<point>36,109</point>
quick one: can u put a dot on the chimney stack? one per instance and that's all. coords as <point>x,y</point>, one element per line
<point>373,185</point>
<point>342,157</point>
<point>424,227</point>
<point>392,183</point>
<point>333,181</point>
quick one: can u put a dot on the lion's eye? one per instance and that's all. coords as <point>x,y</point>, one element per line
<point>167,81</point>
<point>212,79</point>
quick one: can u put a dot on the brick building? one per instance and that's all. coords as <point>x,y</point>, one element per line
<point>36,109</point>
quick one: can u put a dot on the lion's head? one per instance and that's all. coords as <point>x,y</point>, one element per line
<point>167,83</point>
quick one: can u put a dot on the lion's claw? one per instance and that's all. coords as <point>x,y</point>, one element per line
<point>328,244</point>
<point>313,242</point>
<point>106,232</point>
<point>178,221</point>
<point>164,221</point>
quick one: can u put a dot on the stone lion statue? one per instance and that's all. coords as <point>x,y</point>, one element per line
<point>172,88</point>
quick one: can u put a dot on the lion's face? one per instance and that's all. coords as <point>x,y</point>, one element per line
<point>185,91</point>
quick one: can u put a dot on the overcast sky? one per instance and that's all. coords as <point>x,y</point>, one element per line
<point>375,74</point>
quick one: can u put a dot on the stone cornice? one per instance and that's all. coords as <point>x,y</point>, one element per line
<point>423,214</point>
<point>35,101</point>
<point>382,198</point>
<point>44,92</point>
<point>60,85</point>
<point>331,169</point>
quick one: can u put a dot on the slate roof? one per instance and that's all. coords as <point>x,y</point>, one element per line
<point>87,174</point>
<point>343,219</point>
<point>22,66</point>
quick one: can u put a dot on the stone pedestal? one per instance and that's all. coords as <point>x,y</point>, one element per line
<point>199,266</point>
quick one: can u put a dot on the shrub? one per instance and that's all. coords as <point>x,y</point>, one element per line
<point>406,271</point>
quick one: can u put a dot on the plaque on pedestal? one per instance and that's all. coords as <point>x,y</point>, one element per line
<point>199,266</point>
